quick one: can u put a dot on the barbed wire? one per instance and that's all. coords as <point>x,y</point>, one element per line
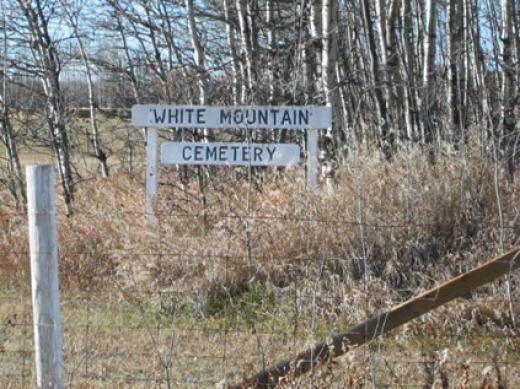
<point>391,360</point>
<point>204,329</point>
<point>227,338</point>
<point>282,218</point>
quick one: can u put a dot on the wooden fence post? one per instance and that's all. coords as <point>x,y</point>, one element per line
<point>44,276</point>
<point>342,342</point>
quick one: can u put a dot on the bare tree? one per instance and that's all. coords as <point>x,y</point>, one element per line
<point>198,52</point>
<point>16,182</point>
<point>453,43</point>
<point>246,49</point>
<point>507,117</point>
<point>428,71</point>
<point>329,55</point>
<point>384,66</point>
<point>231,42</point>
<point>45,51</point>
<point>99,152</point>
<point>377,82</point>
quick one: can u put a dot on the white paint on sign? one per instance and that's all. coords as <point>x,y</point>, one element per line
<point>191,116</point>
<point>234,154</point>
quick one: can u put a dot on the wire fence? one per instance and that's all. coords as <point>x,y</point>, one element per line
<point>203,330</point>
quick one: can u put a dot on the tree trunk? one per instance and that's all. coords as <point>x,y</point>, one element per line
<point>453,41</point>
<point>198,52</point>
<point>383,140</point>
<point>507,117</point>
<point>314,52</point>
<point>230,36</point>
<point>271,45</point>
<point>245,49</point>
<point>428,72</point>
<point>99,151</point>
<point>479,67</point>
<point>48,62</point>
<point>394,88</point>
<point>14,171</point>
<point>409,71</point>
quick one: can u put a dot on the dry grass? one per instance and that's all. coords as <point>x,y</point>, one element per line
<point>270,255</point>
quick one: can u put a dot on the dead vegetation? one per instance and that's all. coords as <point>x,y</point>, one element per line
<point>269,253</point>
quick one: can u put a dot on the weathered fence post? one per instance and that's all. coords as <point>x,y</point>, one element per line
<point>342,342</point>
<point>44,276</point>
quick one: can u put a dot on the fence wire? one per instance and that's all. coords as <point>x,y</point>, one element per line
<point>137,334</point>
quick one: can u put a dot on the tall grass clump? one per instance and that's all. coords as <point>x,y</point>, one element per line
<point>386,229</point>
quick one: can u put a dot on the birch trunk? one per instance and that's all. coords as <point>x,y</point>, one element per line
<point>198,52</point>
<point>135,90</point>
<point>395,89</point>
<point>99,151</point>
<point>168,34</point>
<point>15,177</point>
<point>231,42</point>
<point>453,40</point>
<point>314,51</point>
<point>383,140</point>
<point>409,72</point>
<point>271,44</point>
<point>158,64</point>
<point>245,49</point>
<point>428,72</point>
<point>508,81</point>
<point>478,68</point>
<point>380,27</point>
<point>198,56</point>
<point>14,171</point>
<point>47,59</point>
<point>328,76</point>
<point>329,50</point>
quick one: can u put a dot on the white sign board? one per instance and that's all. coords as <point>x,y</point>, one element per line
<point>233,154</point>
<point>192,116</point>
<point>154,116</point>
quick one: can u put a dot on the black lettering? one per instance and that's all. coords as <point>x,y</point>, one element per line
<point>258,154</point>
<point>198,153</point>
<point>225,116</point>
<point>200,116</point>
<point>274,113</point>
<point>189,111</point>
<point>238,116</point>
<point>271,152</point>
<point>245,154</point>
<point>159,119</point>
<point>251,112</point>
<point>286,117</point>
<point>303,117</point>
<point>235,150</point>
<point>185,156</point>
<point>211,153</point>
<point>263,116</point>
<point>222,153</point>
<point>172,116</point>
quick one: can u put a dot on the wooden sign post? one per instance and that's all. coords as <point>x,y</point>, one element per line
<point>152,162</point>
